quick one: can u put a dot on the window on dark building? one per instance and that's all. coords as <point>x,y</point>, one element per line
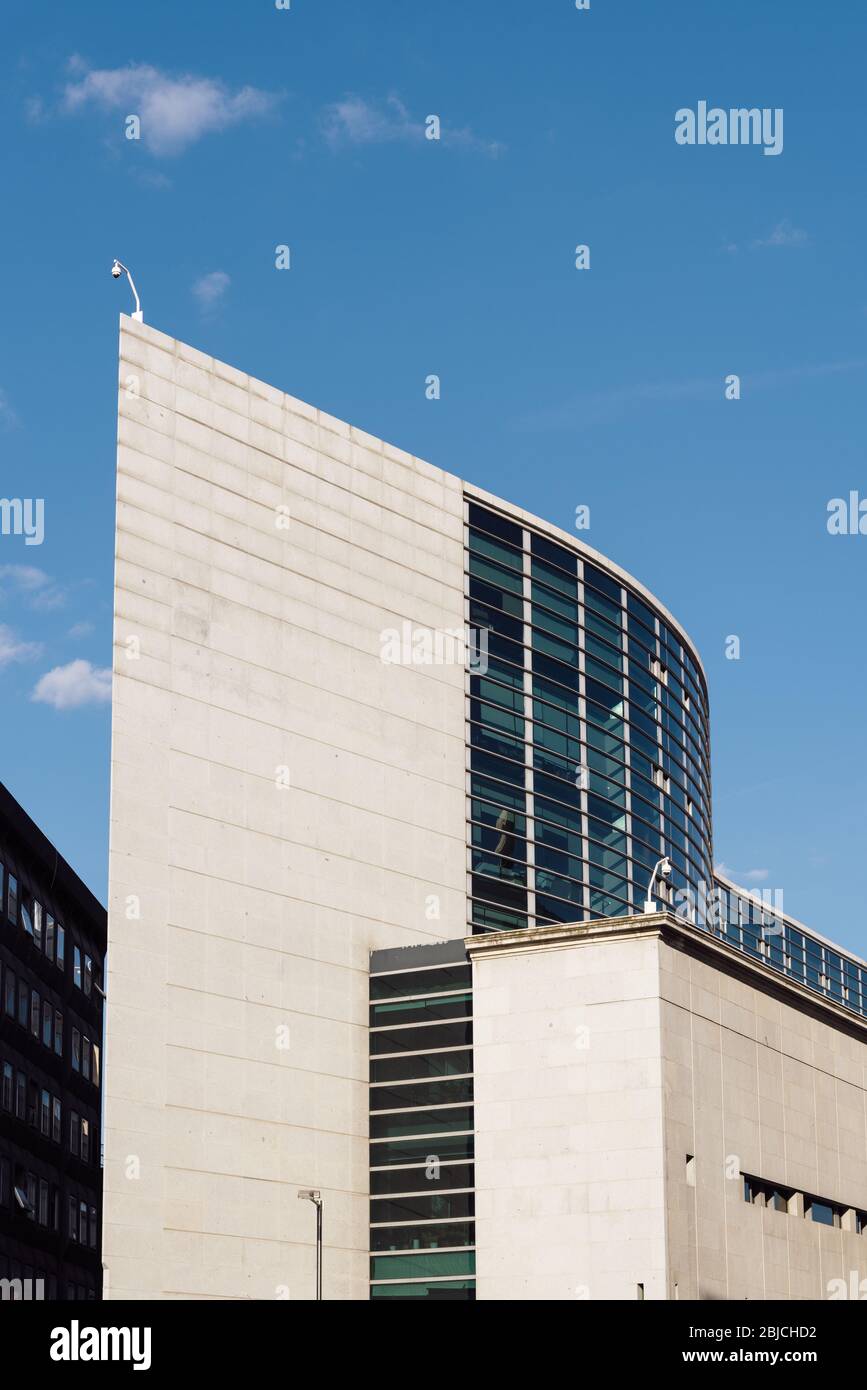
<point>20,1192</point>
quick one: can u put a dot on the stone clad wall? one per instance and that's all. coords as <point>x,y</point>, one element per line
<point>282,803</point>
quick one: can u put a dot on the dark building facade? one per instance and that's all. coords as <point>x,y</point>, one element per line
<point>52,950</point>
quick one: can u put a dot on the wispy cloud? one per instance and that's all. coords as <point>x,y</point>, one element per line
<point>784,234</point>
<point>80,630</point>
<point>34,110</point>
<point>750,876</point>
<point>12,648</point>
<point>151,178</point>
<point>598,407</point>
<point>175,110</point>
<point>74,685</point>
<point>37,588</point>
<point>354,121</point>
<point>210,289</point>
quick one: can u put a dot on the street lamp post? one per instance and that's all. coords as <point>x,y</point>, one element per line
<point>315,1196</point>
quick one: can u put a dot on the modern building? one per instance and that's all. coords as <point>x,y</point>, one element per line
<point>394,767</point>
<point>52,947</point>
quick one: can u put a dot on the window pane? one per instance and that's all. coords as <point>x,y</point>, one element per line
<point>455,1205</point>
<point>447,1290</point>
<point>454,1063</point>
<point>421,1093</point>
<point>429,1179</point>
<point>418,1266</point>
<point>431,1150</point>
<point>383,1126</point>
<point>438,1236</point>
<point>422,1038</point>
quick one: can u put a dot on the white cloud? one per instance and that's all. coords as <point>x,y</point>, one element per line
<point>27,577</point>
<point>151,178</point>
<point>751,875</point>
<point>175,111</point>
<point>79,630</point>
<point>784,234</point>
<point>468,140</point>
<point>34,110</point>
<point>209,289</point>
<point>13,649</point>
<point>74,685</point>
<point>354,121</point>
<point>38,588</point>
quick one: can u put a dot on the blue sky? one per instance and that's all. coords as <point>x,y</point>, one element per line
<point>456,257</point>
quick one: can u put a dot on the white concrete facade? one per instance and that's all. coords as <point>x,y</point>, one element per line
<point>567,1056</point>
<point>608,1054</point>
<point>282,803</point>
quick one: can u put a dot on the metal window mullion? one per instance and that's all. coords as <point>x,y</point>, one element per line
<point>528,729</point>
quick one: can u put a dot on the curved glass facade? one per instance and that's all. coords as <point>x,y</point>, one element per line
<point>589,758</point>
<point>588,735</point>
